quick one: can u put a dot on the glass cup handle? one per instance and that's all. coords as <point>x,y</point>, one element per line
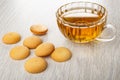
<point>108,33</point>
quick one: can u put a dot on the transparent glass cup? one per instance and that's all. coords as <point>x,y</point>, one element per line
<point>82,22</point>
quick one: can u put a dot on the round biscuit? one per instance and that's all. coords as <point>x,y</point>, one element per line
<point>19,52</point>
<point>38,29</point>
<point>11,38</point>
<point>61,54</point>
<point>32,42</point>
<point>35,65</point>
<point>44,49</point>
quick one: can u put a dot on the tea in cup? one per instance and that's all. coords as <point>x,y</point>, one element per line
<point>83,22</point>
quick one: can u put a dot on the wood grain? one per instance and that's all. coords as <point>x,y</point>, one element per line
<point>92,61</point>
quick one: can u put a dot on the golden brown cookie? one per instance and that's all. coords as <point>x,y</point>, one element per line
<point>11,38</point>
<point>44,49</point>
<point>61,54</point>
<point>32,42</point>
<point>19,52</point>
<point>38,29</point>
<point>35,65</point>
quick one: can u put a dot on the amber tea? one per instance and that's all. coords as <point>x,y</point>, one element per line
<point>82,22</point>
<point>81,31</point>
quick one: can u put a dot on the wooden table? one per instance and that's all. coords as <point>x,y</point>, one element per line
<point>92,61</point>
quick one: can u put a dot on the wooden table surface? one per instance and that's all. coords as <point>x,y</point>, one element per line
<point>92,61</point>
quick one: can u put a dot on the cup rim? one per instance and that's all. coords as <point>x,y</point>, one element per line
<point>90,23</point>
